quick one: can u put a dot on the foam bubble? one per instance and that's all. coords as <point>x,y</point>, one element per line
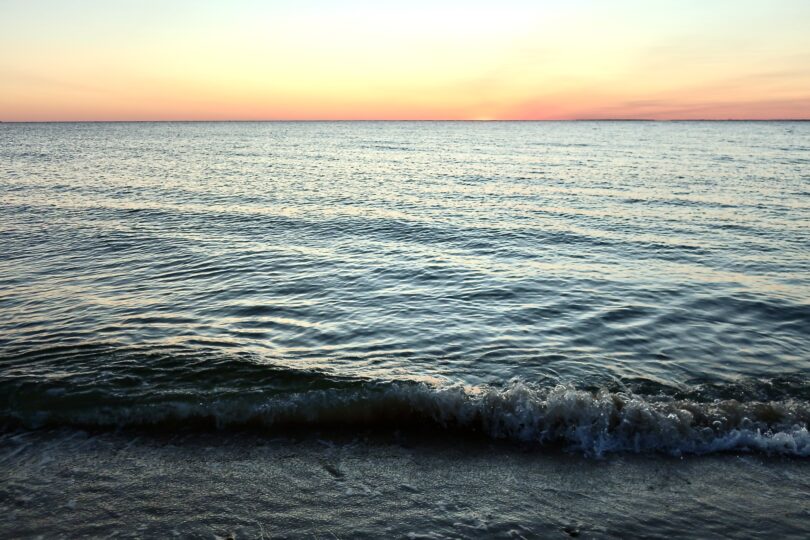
<point>594,423</point>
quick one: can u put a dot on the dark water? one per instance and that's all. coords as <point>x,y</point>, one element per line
<point>604,287</point>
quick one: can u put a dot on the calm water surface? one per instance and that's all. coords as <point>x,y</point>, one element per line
<point>614,286</point>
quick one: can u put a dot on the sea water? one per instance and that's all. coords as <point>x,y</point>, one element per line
<point>640,286</point>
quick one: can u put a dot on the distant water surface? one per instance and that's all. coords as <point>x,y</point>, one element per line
<point>611,286</point>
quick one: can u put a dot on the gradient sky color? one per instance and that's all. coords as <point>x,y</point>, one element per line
<point>359,59</point>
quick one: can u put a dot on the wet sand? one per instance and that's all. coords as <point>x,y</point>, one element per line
<point>70,484</point>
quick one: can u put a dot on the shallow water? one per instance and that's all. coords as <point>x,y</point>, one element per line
<point>205,485</point>
<point>627,286</point>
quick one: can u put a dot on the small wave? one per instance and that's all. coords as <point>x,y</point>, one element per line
<point>594,423</point>
<point>387,147</point>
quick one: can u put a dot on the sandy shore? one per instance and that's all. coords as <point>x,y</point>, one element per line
<point>392,485</point>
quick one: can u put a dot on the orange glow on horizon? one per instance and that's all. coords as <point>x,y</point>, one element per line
<point>246,60</point>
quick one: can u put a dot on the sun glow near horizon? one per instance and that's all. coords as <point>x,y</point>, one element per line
<point>250,60</point>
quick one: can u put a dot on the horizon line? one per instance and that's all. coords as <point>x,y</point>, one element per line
<point>291,120</point>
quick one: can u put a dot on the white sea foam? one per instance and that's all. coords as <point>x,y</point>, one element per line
<point>592,423</point>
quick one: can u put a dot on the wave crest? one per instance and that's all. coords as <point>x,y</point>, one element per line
<point>595,423</point>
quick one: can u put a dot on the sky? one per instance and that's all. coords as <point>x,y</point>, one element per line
<point>359,59</point>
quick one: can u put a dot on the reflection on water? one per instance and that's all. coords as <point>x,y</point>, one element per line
<point>592,254</point>
<point>467,250</point>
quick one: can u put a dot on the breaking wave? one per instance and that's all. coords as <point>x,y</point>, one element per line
<point>592,422</point>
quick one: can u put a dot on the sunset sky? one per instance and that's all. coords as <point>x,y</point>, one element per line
<point>358,59</point>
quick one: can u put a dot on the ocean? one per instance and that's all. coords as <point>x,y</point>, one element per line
<point>368,329</point>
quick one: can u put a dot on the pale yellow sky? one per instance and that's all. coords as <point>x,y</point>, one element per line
<point>251,59</point>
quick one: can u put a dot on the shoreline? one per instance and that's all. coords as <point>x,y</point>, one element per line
<point>68,482</point>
